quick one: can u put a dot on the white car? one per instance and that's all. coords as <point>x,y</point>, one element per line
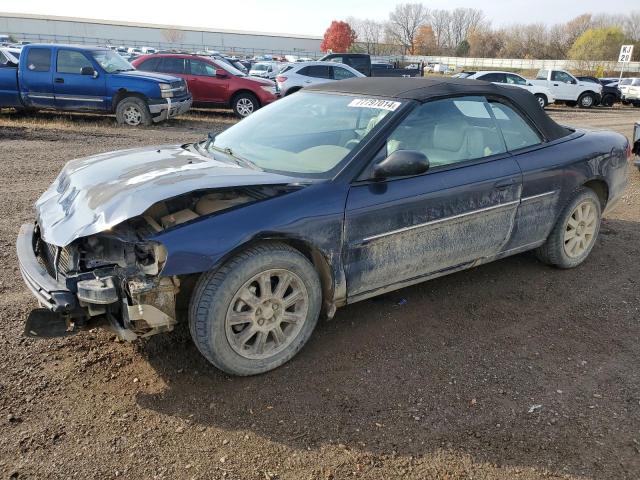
<point>295,76</point>
<point>543,94</point>
<point>264,70</point>
<point>568,89</point>
<point>630,91</point>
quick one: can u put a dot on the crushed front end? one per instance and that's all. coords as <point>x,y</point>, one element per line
<point>113,274</point>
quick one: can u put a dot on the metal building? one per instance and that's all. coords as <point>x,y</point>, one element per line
<point>46,28</point>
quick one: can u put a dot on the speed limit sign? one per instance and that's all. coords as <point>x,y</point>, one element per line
<point>625,53</point>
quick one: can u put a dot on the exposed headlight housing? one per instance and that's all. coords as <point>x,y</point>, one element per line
<point>165,90</point>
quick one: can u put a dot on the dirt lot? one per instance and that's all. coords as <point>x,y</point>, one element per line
<point>435,381</point>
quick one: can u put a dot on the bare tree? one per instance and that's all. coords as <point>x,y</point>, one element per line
<point>463,21</point>
<point>440,20</point>
<point>631,25</point>
<point>404,22</point>
<point>370,34</point>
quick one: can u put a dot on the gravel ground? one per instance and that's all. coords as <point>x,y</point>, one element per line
<point>509,370</point>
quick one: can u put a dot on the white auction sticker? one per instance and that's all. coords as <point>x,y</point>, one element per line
<point>374,103</point>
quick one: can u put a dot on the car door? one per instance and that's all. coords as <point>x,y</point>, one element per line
<point>401,230</point>
<point>315,74</point>
<point>72,89</point>
<point>341,73</point>
<point>563,86</point>
<point>542,175</point>
<point>495,77</point>
<point>206,86</point>
<point>35,79</point>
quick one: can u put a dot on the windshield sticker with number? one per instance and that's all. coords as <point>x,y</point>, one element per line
<point>375,103</point>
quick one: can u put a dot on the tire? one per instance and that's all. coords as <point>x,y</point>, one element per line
<point>557,249</point>
<point>637,104</point>
<point>608,100</point>
<point>542,100</point>
<point>221,322</point>
<point>244,104</point>
<point>133,111</point>
<point>586,100</point>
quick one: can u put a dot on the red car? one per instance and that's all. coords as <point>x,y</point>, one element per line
<point>213,82</point>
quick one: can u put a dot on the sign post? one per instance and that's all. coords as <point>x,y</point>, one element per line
<point>625,56</point>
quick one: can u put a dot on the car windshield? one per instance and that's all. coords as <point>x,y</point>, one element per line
<point>636,82</point>
<point>307,134</point>
<point>229,68</point>
<point>260,67</point>
<point>111,61</point>
<point>625,81</point>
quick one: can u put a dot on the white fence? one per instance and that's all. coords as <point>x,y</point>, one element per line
<point>521,64</point>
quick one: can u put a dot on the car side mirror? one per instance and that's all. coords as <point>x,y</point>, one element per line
<point>221,73</point>
<point>401,163</point>
<point>573,82</point>
<point>88,71</point>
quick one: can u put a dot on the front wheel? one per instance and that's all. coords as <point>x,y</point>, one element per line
<point>608,100</point>
<point>575,232</point>
<point>244,104</point>
<point>257,311</point>
<point>133,111</point>
<point>586,100</point>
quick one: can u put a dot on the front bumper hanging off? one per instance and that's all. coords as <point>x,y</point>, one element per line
<point>168,108</point>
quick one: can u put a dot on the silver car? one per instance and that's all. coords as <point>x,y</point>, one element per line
<point>295,76</point>
<point>264,70</point>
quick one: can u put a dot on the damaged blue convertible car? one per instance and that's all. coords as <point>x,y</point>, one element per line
<point>333,195</point>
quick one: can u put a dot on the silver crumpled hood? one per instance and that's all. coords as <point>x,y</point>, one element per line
<point>95,193</point>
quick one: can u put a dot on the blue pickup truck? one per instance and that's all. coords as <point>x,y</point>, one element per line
<point>93,79</point>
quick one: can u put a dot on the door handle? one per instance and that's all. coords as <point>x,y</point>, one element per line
<point>555,84</point>
<point>59,80</point>
<point>504,184</point>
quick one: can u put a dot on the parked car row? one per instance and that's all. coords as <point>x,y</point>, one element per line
<point>560,86</point>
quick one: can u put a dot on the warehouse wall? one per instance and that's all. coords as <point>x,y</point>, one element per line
<point>63,29</point>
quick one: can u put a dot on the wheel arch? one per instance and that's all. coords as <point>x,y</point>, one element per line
<point>122,93</point>
<point>240,91</point>
<point>331,291</point>
<point>600,188</point>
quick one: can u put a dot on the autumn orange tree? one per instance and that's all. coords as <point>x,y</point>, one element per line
<point>338,38</point>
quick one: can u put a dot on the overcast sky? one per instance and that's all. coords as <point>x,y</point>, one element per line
<point>300,16</point>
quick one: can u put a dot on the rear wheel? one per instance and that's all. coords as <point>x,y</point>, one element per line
<point>575,232</point>
<point>133,111</point>
<point>257,311</point>
<point>542,100</point>
<point>586,100</point>
<point>244,104</point>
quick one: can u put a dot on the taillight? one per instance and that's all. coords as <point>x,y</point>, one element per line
<point>281,79</point>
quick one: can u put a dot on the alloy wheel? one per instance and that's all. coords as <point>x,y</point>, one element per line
<point>132,115</point>
<point>587,101</point>
<point>245,107</point>
<point>580,230</point>
<point>266,314</point>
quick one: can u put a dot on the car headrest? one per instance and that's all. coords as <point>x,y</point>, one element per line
<point>448,136</point>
